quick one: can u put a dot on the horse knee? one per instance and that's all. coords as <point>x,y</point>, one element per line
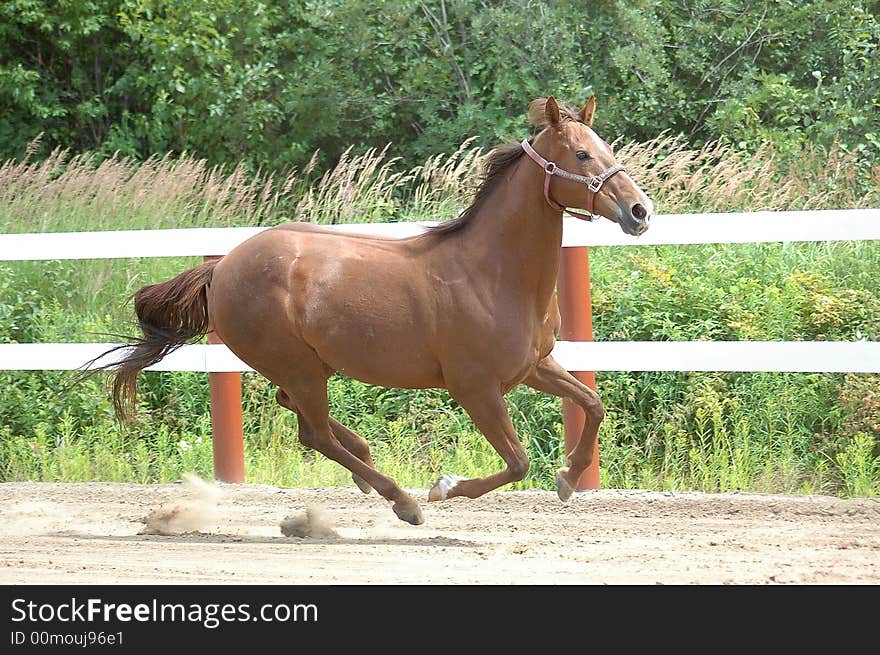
<point>519,467</point>
<point>359,448</point>
<point>595,410</point>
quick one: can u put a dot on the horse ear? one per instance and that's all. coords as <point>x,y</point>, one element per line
<point>551,111</point>
<point>587,112</point>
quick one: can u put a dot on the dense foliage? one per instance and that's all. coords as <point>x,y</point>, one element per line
<point>271,81</point>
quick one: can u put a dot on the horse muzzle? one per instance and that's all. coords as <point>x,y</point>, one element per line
<point>636,220</point>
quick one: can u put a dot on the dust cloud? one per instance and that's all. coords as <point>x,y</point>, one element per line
<point>195,511</point>
<point>312,523</point>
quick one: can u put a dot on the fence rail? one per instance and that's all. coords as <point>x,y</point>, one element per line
<point>756,227</point>
<point>756,356</point>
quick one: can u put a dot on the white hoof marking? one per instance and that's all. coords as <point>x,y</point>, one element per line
<point>447,483</point>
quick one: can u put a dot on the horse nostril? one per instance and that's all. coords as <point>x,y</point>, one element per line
<point>639,212</point>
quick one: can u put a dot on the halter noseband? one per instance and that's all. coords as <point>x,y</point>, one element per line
<point>594,182</point>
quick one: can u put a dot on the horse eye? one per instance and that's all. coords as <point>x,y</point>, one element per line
<point>580,154</point>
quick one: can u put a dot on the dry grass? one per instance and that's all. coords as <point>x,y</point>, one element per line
<point>366,188</point>
<point>717,178</point>
<point>713,178</point>
<point>446,183</point>
<point>65,193</point>
<point>359,189</point>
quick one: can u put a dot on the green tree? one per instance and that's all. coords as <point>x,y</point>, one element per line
<point>271,81</point>
<point>58,65</point>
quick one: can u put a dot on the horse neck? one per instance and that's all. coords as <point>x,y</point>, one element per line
<point>516,236</point>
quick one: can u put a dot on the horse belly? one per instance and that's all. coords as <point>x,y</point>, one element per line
<point>378,354</point>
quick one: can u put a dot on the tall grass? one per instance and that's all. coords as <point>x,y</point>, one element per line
<point>77,192</point>
<point>759,432</point>
<point>70,193</point>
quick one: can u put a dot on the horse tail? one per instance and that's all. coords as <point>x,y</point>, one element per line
<point>170,314</point>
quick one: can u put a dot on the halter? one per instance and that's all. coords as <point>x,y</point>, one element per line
<point>594,182</point>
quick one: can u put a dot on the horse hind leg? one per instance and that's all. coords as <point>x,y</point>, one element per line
<point>310,400</point>
<point>356,445</point>
<point>350,440</point>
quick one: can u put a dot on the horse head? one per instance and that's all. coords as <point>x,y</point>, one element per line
<point>580,168</point>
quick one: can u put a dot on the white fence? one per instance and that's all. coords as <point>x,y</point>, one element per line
<point>797,356</point>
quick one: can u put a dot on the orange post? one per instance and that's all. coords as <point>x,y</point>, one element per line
<point>226,422</point>
<point>575,306</point>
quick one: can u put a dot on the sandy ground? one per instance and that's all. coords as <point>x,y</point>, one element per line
<point>95,533</point>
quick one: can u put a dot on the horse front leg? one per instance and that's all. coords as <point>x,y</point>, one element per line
<point>551,378</point>
<point>489,413</point>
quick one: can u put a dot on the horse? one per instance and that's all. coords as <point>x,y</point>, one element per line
<point>468,305</point>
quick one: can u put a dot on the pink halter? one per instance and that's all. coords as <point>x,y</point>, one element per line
<point>594,183</point>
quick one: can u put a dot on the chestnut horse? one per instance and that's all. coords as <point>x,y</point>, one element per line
<point>468,306</point>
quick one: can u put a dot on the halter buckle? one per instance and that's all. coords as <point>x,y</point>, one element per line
<point>595,184</point>
<point>550,167</point>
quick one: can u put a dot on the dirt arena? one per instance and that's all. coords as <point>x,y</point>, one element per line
<point>96,533</point>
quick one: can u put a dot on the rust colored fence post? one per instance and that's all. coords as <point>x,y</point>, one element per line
<point>226,422</point>
<point>575,306</point>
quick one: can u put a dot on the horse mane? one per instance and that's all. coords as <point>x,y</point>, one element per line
<point>498,161</point>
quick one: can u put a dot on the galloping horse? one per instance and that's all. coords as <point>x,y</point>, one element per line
<point>468,306</point>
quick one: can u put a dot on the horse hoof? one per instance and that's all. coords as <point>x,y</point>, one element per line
<point>441,489</point>
<point>563,489</point>
<point>361,483</point>
<point>408,512</point>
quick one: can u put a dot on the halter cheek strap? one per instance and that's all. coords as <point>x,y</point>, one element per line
<point>594,182</point>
